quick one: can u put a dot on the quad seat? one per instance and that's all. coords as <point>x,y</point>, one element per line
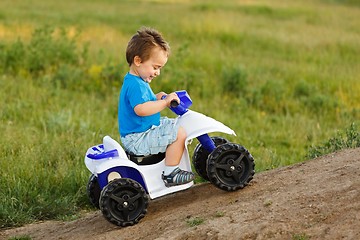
<point>146,160</point>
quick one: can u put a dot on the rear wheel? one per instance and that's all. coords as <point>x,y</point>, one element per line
<point>230,167</point>
<point>123,202</point>
<point>201,155</point>
<point>93,190</point>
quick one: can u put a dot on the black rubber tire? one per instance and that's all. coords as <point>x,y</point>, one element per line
<point>93,191</point>
<point>230,167</point>
<point>123,202</point>
<point>201,155</point>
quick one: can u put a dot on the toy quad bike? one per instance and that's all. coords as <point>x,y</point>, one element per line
<point>121,184</point>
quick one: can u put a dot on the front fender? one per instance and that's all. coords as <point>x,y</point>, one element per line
<point>197,124</point>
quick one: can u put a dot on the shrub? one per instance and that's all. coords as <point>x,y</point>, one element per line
<point>12,57</point>
<point>234,81</point>
<point>318,103</point>
<point>46,52</point>
<point>302,89</point>
<point>350,138</point>
<point>53,59</point>
<point>270,97</point>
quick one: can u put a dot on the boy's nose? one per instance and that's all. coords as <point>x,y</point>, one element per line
<point>157,73</point>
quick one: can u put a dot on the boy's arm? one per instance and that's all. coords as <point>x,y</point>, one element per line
<point>152,107</point>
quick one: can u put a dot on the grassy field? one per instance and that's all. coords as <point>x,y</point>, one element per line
<point>283,74</point>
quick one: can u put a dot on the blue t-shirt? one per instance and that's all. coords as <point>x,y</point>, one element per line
<point>135,91</point>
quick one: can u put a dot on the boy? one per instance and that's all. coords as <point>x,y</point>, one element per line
<point>142,130</point>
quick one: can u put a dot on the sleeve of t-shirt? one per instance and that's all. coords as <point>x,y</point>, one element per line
<point>138,94</point>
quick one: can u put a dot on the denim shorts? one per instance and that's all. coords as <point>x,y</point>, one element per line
<point>154,140</point>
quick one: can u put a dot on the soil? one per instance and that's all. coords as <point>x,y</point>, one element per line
<point>316,199</point>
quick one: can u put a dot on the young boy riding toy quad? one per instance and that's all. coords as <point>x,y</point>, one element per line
<point>156,161</point>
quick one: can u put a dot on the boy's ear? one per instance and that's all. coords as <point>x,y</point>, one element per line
<point>137,61</point>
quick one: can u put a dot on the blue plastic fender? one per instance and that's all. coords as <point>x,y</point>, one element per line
<point>125,172</point>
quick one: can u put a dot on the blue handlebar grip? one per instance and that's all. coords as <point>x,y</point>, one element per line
<point>182,107</point>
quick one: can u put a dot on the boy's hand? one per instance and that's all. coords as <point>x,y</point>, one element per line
<point>160,95</point>
<point>170,97</point>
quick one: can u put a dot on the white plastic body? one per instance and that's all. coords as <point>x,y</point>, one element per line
<point>194,123</point>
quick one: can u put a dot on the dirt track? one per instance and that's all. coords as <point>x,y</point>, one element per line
<point>317,199</point>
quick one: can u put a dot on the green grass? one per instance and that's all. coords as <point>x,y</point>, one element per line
<point>276,73</point>
<point>20,238</point>
<point>301,236</point>
<point>195,221</point>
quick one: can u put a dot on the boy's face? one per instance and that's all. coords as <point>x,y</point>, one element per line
<point>150,68</point>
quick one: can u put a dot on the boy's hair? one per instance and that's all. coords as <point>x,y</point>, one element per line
<point>143,42</point>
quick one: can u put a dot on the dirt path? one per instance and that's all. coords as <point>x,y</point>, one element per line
<point>318,199</point>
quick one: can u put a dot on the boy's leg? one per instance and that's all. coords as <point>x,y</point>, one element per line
<point>175,150</point>
<point>173,175</point>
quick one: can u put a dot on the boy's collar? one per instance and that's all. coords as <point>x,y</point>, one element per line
<point>137,77</point>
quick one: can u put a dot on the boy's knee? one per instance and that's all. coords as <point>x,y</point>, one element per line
<point>181,133</point>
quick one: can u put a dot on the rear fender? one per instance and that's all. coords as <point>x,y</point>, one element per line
<point>120,172</point>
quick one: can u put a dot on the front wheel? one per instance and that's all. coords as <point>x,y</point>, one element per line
<point>230,167</point>
<point>123,202</point>
<point>201,155</point>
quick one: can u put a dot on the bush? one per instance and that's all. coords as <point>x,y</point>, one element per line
<point>234,81</point>
<point>350,138</point>
<point>318,103</point>
<point>302,89</point>
<point>53,59</point>
<point>47,53</point>
<point>12,57</point>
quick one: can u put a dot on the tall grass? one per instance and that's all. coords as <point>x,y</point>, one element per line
<point>275,73</point>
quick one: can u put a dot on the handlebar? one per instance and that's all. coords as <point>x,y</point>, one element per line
<point>174,103</point>
<point>181,107</point>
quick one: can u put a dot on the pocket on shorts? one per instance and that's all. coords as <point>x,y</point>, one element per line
<point>163,135</point>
